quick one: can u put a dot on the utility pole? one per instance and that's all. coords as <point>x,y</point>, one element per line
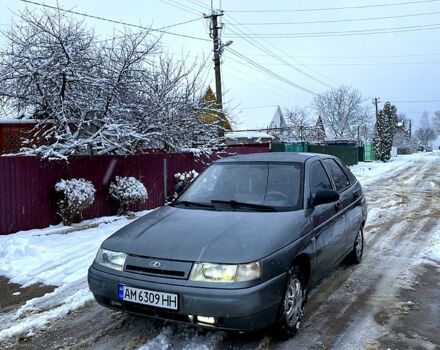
<point>218,47</point>
<point>376,100</point>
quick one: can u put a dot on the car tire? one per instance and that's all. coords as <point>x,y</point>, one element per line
<point>355,256</point>
<point>292,305</point>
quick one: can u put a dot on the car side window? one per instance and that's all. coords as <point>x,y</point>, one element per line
<point>348,172</point>
<point>318,179</point>
<point>339,178</point>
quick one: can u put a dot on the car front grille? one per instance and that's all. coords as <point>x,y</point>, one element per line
<point>158,267</point>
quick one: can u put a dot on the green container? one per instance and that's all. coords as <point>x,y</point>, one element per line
<point>369,152</point>
<point>277,147</point>
<point>347,154</point>
<point>297,147</point>
<point>361,154</point>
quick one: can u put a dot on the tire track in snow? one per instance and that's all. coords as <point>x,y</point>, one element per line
<point>346,320</point>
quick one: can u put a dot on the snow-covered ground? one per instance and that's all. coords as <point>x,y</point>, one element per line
<point>52,257</point>
<point>57,257</point>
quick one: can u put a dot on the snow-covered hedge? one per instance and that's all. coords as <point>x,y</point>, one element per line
<point>75,195</point>
<point>128,191</point>
<point>187,177</point>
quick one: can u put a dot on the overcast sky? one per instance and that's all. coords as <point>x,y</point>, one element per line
<point>310,45</point>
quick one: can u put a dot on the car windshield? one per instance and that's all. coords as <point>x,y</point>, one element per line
<point>252,186</point>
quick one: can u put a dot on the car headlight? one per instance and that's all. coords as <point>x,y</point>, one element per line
<point>111,259</point>
<point>225,273</point>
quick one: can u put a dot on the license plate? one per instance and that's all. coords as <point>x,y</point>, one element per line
<point>148,297</point>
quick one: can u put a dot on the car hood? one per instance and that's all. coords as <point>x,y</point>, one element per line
<point>209,236</point>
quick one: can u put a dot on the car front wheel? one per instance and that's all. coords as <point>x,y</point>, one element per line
<point>292,306</point>
<point>355,256</point>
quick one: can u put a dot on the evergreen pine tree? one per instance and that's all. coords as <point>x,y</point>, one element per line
<point>384,132</point>
<point>320,130</point>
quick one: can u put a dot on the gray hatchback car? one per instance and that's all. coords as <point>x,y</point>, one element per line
<point>240,248</point>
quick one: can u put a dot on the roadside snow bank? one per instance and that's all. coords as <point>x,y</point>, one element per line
<point>42,256</point>
<point>52,257</point>
<point>369,172</point>
<point>433,253</point>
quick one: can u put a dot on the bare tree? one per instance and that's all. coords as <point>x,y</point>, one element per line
<point>98,97</point>
<point>344,113</point>
<point>402,140</point>
<point>435,119</point>
<point>426,135</point>
<point>299,126</point>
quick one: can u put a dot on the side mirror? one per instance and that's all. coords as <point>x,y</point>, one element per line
<point>325,196</point>
<point>179,188</point>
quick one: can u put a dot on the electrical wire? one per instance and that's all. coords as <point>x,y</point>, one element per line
<point>361,64</point>
<point>414,101</point>
<point>259,45</point>
<point>278,58</point>
<point>267,71</point>
<point>113,21</point>
<point>340,20</point>
<point>342,33</point>
<point>200,4</point>
<point>180,7</point>
<point>180,23</point>
<point>264,85</point>
<point>335,8</point>
<point>357,57</point>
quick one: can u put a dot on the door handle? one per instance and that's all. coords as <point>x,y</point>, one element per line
<point>338,205</point>
<point>355,194</point>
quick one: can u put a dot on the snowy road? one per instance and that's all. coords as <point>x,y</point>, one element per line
<point>391,300</point>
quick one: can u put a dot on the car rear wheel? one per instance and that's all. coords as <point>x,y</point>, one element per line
<point>355,257</point>
<point>292,305</point>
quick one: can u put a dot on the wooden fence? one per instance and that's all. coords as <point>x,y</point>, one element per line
<point>27,197</point>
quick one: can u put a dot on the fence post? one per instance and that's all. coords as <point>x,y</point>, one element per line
<point>165,179</point>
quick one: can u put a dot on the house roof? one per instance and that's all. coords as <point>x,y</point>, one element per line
<point>248,135</point>
<point>211,118</point>
<point>278,120</point>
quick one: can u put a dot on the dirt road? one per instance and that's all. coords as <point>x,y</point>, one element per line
<point>390,301</point>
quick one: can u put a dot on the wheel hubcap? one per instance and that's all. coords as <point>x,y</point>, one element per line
<point>359,244</point>
<point>293,302</point>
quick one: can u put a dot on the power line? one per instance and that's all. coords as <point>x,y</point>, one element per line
<point>200,4</point>
<point>180,23</point>
<point>343,33</point>
<point>335,8</point>
<point>277,57</point>
<point>269,72</point>
<point>361,64</point>
<point>340,20</point>
<point>356,57</point>
<point>180,7</point>
<point>414,101</point>
<point>112,20</point>
<point>277,90</point>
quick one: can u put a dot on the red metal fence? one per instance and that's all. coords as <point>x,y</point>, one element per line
<point>27,197</point>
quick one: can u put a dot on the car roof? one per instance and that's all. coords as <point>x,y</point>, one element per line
<point>294,157</point>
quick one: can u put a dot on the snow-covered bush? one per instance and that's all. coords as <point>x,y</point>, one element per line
<point>187,177</point>
<point>127,191</point>
<point>75,195</point>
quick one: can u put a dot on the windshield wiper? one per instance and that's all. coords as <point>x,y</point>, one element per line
<point>236,204</point>
<point>194,204</point>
